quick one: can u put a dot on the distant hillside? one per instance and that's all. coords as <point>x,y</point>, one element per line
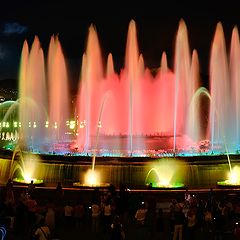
<point>9,83</point>
<point>8,89</point>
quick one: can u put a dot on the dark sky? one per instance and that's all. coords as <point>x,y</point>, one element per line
<point>157,23</point>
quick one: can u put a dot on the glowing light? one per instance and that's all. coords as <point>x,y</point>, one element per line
<point>163,175</point>
<point>72,124</point>
<point>27,177</point>
<point>15,124</point>
<point>164,182</point>
<point>92,178</point>
<point>28,169</point>
<point>99,124</point>
<point>82,124</point>
<point>234,176</point>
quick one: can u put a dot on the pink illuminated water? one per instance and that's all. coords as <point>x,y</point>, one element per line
<point>133,111</point>
<point>134,103</point>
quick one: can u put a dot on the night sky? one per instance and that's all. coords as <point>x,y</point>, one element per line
<point>156,26</point>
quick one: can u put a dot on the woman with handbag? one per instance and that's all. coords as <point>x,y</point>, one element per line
<point>117,230</point>
<point>42,232</point>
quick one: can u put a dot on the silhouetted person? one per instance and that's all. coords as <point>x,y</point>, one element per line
<point>191,224</point>
<point>31,188</point>
<point>141,214</point>
<point>178,224</point>
<point>159,224</point>
<point>42,231</point>
<point>59,192</point>
<point>117,232</point>
<point>96,211</point>
<point>79,213</point>
<point>237,231</point>
<point>9,192</point>
<point>149,186</point>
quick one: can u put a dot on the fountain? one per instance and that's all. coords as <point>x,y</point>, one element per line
<point>24,168</point>
<point>232,179</point>
<point>108,104</point>
<point>163,175</point>
<point>131,114</point>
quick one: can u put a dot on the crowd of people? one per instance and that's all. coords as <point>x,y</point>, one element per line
<point>120,214</point>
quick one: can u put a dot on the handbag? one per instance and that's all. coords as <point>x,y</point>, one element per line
<point>45,235</point>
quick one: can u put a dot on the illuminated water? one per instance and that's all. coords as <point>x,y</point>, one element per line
<point>130,113</point>
<point>23,168</point>
<point>165,174</point>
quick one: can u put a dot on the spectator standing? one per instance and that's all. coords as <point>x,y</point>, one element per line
<point>42,231</point>
<point>59,191</point>
<point>31,188</point>
<point>141,214</point>
<point>68,214</point>
<point>159,225</point>
<point>191,224</point>
<point>96,211</point>
<point>79,212</point>
<point>50,218</point>
<point>117,232</point>
<point>107,215</point>
<point>237,231</point>
<point>178,224</point>
<point>9,192</point>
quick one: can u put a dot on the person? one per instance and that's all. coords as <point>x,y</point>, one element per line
<point>191,224</point>
<point>179,222</point>
<point>117,232</point>
<point>187,198</point>
<point>237,231</point>
<point>68,213</point>
<point>50,218</point>
<point>79,212</point>
<point>141,214</point>
<point>31,205</point>
<point>96,211</point>
<point>42,232</point>
<point>150,186</point>
<point>9,192</point>
<point>59,191</point>
<point>31,188</point>
<point>160,224</point>
<point>107,215</point>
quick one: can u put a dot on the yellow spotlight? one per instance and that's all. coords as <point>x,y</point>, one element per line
<point>92,178</point>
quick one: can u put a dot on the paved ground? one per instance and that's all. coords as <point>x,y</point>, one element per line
<point>133,231</point>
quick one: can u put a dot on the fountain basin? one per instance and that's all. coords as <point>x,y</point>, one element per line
<point>228,184</point>
<point>26,182</point>
<point>170,186</point>
<point>85,185</point>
